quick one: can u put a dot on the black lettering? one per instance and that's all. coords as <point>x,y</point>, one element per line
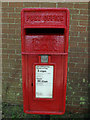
<point>42,71</point>
<point>44,81</point>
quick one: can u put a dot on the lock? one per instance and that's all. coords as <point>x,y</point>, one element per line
<point>44,58</point>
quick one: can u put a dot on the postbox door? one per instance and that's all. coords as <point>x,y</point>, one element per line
<point>45,104</point>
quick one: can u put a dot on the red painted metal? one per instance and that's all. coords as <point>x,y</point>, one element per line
<point>44,31</point>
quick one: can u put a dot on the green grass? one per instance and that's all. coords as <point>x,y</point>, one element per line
<point>16,111</point>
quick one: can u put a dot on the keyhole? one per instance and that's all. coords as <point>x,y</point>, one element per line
<point>32,84</point>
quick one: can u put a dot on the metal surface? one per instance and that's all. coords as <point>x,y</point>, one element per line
<point>44,31</point>
<point>44,58</point>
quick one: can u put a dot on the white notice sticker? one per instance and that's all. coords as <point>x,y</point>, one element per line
<point>44,81</point>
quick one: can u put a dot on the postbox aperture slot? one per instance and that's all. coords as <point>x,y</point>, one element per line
<point>30,31</point>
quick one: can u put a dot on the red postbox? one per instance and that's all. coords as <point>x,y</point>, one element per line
<point>44,40</point>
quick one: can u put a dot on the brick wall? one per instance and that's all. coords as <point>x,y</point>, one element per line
<point>77,82</point>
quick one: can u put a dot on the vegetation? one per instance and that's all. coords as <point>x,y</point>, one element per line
<point>16,111</point>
